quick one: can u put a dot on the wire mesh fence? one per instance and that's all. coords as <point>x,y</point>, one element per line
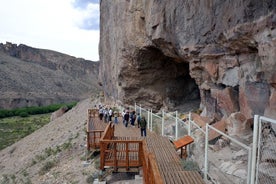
<point>266,151</point>
<point>223,159</point>
<point>236,167</point>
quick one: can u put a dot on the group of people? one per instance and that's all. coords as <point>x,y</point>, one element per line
<point>106,114</point>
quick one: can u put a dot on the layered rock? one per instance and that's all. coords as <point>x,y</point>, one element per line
<point>37,77</point>
<point>165,53</point>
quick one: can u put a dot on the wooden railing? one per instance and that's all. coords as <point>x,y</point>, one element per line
<point>108,132</point>
<point>151,173</point>
<point>121,153</point>
<point>93,113</point>
<point>93,136</point>
<point>93,139</point>
<point>127,154</point>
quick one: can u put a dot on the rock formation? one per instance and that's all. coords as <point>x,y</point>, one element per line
<point>166,53</point>
<point>35,77</point>
<point>58,113</point>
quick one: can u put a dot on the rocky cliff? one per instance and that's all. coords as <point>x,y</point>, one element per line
<point>35,77</point>
<point>166,53</point>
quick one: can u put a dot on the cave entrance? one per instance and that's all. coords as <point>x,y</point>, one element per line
<point>169,80</point>
<point>182,93</point>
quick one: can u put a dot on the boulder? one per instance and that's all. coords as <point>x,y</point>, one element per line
<point>58,113</point>
<point>238,125</point>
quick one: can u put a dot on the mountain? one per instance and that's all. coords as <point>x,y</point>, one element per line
<point>37,77</point>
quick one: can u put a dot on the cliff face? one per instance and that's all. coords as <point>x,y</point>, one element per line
<point>35,77</point>
<point>166,53</point>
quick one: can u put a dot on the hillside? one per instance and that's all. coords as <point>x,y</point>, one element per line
<point>58,147</point>
<point>35,77</point>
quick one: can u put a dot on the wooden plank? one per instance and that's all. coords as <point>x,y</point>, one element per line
<point>124,148</point>
<point>183,141</point>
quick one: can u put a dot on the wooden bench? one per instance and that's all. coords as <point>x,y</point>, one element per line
<point>182,143</point>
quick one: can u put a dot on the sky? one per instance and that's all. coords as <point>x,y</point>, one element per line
<point>67,26</point>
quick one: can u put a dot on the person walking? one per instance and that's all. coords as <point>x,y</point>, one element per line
<point>143,126</point>
<point>132,118</point>
<point>115,117</point>
<point>138,119</point>
<point>110,114</point>
<point>126,118</point>
<point>101,114</point>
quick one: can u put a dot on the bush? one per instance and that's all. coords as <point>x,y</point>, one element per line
<point>189,165</point>
<point>26,111</point>
<point>47,167</point>
<point>23,114</point>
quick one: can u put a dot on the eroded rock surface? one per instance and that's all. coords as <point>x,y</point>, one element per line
<point>162,54</point>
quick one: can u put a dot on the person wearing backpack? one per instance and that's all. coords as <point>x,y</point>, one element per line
<point>143,126</point>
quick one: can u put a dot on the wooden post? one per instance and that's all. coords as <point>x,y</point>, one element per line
<point>87,141</point>
<point>102,153</point>
<point>115,156</point>
<point>127,155</point>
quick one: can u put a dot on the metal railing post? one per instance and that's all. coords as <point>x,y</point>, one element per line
<point>163,122</point>
<point>150,119</point>
<point>254,149</point>
<point>140,110</point>
<point>189,124</point>
<point>176,126</point>
<point>249,165</point>
<point>206,153</point>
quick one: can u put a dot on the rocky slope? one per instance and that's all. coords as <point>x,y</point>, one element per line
<point>35,77</point>
<point>53,154</point>
<point>221,53</point>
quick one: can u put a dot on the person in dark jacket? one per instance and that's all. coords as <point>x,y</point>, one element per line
<point>143,126</point>
<point>126,118</point>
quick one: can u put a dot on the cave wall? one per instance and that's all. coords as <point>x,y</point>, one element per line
<point>157,52</point>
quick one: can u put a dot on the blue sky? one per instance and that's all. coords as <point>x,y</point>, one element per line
<point>67,26</point>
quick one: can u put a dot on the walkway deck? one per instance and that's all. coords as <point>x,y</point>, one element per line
<point>127,148</point>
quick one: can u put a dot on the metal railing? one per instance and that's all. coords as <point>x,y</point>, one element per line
<point>244,162</point>
<point>264,151</point>
<point>233,169</point>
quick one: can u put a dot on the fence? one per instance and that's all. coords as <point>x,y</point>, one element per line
<point>165,124</point>
<point>244,163</point>
<point>235,168</point>
<point>264,151</point>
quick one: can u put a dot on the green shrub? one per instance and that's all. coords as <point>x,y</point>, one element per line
<point>189,165</point>
<point>26,111</point>
<point>23,114</point>
<point>47,167</point>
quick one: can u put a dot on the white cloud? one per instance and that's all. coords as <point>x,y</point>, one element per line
<point>88,18</point>
<point>50,24</point>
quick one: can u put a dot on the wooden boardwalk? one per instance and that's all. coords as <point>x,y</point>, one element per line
<point>123,147</point>
<point>169,162</point>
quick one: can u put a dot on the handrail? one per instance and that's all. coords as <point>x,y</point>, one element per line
<point>93,138</point>
<point>121,153</point>
<point>151,173</point>
<point>155,176</point>
<point>108,132</point>
<point>146,159</point>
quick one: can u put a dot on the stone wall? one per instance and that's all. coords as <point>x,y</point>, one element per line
<point>164,53</point>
